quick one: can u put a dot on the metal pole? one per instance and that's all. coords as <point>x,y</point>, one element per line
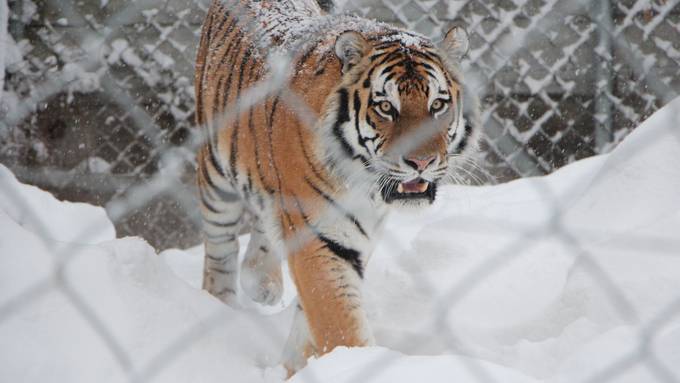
<point>603,89</point>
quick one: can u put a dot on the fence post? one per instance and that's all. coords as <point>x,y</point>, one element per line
<point>603,89</point>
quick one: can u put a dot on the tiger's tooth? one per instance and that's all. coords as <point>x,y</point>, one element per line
<point>400,188</point>
<point>423,186</point>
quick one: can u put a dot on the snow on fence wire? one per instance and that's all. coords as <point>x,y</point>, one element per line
<point>559,81</point>
<point>99,107</point>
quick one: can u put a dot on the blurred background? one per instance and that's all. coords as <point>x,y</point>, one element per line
<point>98,94</point>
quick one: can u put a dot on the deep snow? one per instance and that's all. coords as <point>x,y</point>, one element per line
<point>550,279</point>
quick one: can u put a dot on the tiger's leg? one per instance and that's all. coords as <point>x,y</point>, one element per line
<point>261,277</point>
<point>328,279</point>
<point>299,345</point>
<point>222,211</point>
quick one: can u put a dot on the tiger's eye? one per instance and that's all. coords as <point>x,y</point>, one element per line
<point>385,106</point>
<point>437,105</point>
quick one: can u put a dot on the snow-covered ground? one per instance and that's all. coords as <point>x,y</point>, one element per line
<point>573,277</point>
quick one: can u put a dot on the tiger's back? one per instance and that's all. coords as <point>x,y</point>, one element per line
<point>231,64</point>
<point>268,146</point>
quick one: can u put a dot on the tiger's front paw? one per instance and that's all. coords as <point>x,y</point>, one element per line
<point>220,284</point>
<point>262,286</point>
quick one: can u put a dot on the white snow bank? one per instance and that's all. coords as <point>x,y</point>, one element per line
<point>44,215</point>
<point>380,365</point>
<point>61,306</point>
<point>551,279</point>
<point>528,273</point>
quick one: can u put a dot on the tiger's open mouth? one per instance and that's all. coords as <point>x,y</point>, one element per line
<point>416,189</point>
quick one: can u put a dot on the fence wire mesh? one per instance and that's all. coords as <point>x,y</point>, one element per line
<point>99,107</point>
<point>559,81</point>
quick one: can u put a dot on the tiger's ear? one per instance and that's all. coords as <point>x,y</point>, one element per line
<point>455,43</point>
<point>350,47</point>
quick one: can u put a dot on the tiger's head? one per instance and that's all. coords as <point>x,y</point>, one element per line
<point>397,118</point>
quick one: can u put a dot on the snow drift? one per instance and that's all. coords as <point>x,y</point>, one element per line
<point>573,277</point>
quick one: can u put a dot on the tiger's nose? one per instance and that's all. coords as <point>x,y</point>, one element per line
<point>419,163</point>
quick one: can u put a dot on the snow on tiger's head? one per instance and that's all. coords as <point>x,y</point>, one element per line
<point>396,120</point>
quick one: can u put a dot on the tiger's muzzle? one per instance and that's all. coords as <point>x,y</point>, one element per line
<point>415,190</point>
<point>418,184</point>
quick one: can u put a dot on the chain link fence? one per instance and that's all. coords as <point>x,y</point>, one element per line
<point>559,81</point>
<point>108,126</point>
<point>99,108</point>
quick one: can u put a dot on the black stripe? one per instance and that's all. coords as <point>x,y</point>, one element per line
<point>303,60</point>
<point>456,111</point>
<point>223,21</point>
<point>391,56</point>
<point>274,24</point>
<point>224,291</point>
<point>225,196</point>
<point>426,56</point>
<point>230,28</point>
<point>234,134</point>
<point>357,109</point>
<point>222,224</point>
<point>222,195</point>
<point>467,131</point>
<point>432,56</point>
<point>235,43</point>
<point>341,209</point>
<point>229,32</point>
<point>270,130</point>
<point>214,161</point>
<point>204,42</point>
<point>431,73</point>
<point>208,205</point>
<point>370,122</point>
<point>389,77</point>
<point>350,255</point>
<point>217,259</point>
<point>392,66</point>
<point>207,177</point>
<point>321,64</point>
<point>256,148</point>
<point>220,237</point>
<point>342,117</point>
<point>385,45</point>
<point>426,66</point>
<point>220,271</point>
<point>316,171</point>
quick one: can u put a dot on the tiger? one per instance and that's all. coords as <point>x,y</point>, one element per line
<point>316,126</point>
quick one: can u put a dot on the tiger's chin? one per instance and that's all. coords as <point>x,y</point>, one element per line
<point>411,194</point>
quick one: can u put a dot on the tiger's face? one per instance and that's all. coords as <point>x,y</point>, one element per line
<point>400,113</point>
